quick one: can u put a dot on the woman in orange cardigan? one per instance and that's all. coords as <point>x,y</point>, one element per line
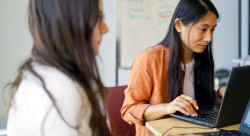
<point>177,74</point>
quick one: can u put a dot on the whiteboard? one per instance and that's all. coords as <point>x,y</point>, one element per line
<point>143,23</point>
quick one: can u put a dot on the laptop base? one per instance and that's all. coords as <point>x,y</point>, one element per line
<point>223,133</point>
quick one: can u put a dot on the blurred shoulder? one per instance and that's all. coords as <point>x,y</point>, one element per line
<point>153,52</point>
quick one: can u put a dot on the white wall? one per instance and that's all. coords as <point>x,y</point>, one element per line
<point>107,51</point>
<point>226,36</point>
<point>245,28</point>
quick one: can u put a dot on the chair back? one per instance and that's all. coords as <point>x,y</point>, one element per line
<point>114,101</point>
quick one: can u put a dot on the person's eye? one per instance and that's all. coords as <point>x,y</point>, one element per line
<point>213,30</point>
<point>203,29</point>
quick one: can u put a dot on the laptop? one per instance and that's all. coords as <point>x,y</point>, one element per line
<point>244,129</point>
<point>232,107</point>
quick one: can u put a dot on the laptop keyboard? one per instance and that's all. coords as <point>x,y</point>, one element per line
<point>224,133</point>
<point>207,117</point>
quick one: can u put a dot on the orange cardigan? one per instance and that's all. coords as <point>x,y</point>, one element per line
<point>147,85</point>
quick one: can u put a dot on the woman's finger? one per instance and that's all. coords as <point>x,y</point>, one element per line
<point>222,91</point>
<point>182,110</point>
<point>186,106</point>
<point>191,100</point>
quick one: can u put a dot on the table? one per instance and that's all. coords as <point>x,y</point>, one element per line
<point>159,127</point>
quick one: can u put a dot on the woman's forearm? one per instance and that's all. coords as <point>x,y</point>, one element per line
<point>154,112</point>
<point>184,104</point>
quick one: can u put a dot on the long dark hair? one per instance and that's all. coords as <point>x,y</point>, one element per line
<point>62,31</point>
<point>190,11</point>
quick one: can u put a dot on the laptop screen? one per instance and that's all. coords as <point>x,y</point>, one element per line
<point>245,123</point>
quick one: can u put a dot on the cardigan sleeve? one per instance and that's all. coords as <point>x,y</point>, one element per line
<point>138,92</point>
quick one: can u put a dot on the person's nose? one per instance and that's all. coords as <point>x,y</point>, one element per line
<point>104,28</point>
<point>208,37</point>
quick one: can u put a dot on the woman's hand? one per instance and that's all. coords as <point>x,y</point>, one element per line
<point>183,104</point>
<point>221,91</point>
<point>219,94</point>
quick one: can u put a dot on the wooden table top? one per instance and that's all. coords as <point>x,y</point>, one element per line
<point>173,125</point>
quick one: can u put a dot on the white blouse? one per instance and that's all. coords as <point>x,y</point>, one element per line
<point>33,114</point>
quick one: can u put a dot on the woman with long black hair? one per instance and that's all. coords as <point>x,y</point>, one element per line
<point>58,90</point>
<point>177,74</point>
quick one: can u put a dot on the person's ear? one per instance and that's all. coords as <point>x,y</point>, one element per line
<point>178,24</point>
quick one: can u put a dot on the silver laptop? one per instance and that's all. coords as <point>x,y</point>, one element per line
<point>232,106</point>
